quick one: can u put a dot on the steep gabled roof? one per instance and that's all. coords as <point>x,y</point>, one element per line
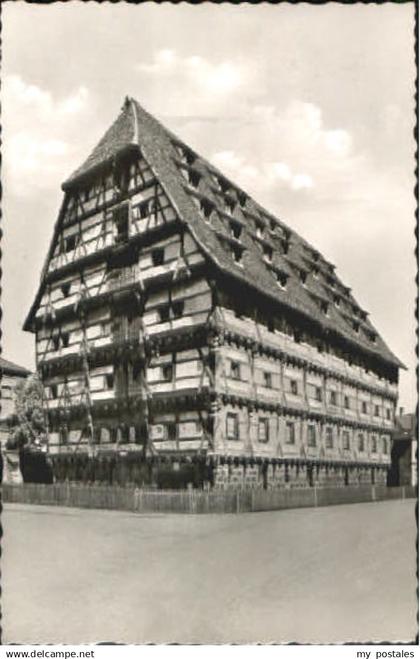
<point>272,253</point>
<point>10,368</point>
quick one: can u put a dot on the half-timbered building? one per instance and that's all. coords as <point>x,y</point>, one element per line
<point>181,325</point>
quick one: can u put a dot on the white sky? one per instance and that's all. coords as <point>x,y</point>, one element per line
<point>309,108</point>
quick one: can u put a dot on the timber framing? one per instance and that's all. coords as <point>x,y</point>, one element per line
<point>178,321</point>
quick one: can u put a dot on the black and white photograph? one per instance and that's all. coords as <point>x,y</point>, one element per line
<point>209,422</point>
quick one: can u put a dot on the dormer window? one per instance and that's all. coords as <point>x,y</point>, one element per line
<point>336,300</point>
<point>189,156</point>
<point>206,208</point>
<point>324,308</point>
<point>281,278</point>
<point>223,184</point>
<point>242,198</point>
<point>315,256</point>
<point>230,204</point>
<point>268,253</point>
<point>303,275</point>
<point>235,230</point>
<point>259,229</point>
<point>315,271</point>
<point>194,178</point>
<point>285,245</point>
<point>237,255</point>
<point>273,225</point>
<point>372,336</point>
<point>356,326</point>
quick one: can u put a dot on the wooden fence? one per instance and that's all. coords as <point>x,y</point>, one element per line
<point>194,501</point>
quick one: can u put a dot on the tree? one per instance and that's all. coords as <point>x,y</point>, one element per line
<point>29,428</point>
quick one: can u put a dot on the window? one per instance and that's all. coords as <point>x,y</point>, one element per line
<point>171,430</point>
<point>56,341</point>
<point>360,442</point>
<point>388,414</point>
<point>235,370</point>
<point>194,178</point>
<point>346,402</point>
<point>384,445</point>
<point>290,432</point>
<point>376,410</point>
<point>324,308</point>
<point>235,230</point>
<point>294,387</point>
<point>157,256</point>
<point>70,243</point>
<point>268,253</point>
<point>346,440</point>
<point>333,397</point>
<point>163,314</point>
<point>268,379</point>
<point>206,207</point>
<point>121,217</point>
<point>230,204</point>
<point>285,246</point>
<point>167,372</point>
<point>356,327</point>
<point>263,429</point>
<point>63,435</point>
<point>237,254</point>
<point>373,444</point>
<point>336,300</point>
<point>178,309</point>
<point>259,229</point>
<point>311,436</point>
<point>242,198</point>
<point>281,278</point>
<point>53,391</point>
<point>329,439</point>
<point>65,338</point>
<point>109,380</point>
<point>273,225</point>
<point>142,210</point>
<point>232,426</point>
<point>318,394</point>
<point>136,371</point>
<point>364,407</point>
<point>65,288</point>
<point>303,275</point>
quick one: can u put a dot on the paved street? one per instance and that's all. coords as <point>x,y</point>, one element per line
<point>311,575</point>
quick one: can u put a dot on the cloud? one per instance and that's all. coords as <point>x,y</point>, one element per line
<point>197,85</point>
<point>269,175</point>
<point>21,95</point>
<point>37,133</point>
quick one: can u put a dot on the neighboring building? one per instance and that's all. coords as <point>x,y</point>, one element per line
<point>404,470</point>
<point>11,375</point>
<point>179,320</point>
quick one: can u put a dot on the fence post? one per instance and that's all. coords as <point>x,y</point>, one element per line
<point>315,497</point>
<point>238,503</point>
<point>373,493</point>
<point>403,492</point>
